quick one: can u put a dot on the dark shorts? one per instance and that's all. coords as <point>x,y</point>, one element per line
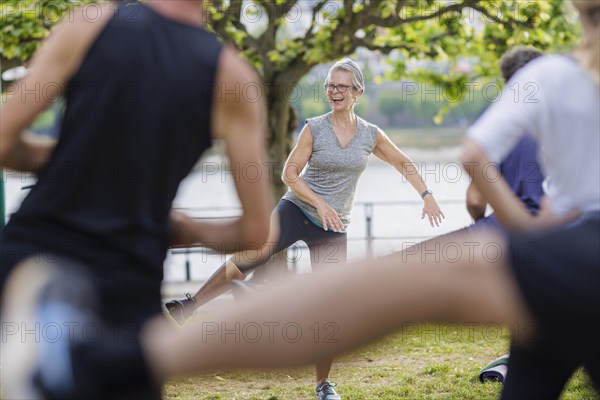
<point>558,274</point>
<point>129,292</point>
<point>326,247</point>
<point>125,297</point>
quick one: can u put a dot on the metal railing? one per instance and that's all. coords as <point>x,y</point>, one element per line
<point>369,237</point>
<point>235,212</point>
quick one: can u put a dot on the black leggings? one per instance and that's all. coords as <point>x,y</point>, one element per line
<point>326,247</point>
<point>558,272</point>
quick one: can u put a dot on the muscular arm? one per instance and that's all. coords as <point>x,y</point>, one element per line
<point>51,68</point>
<point>291,176</point>
<point>240,123</point>
<point>386,150</point>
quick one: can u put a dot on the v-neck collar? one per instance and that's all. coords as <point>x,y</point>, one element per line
<point>337,140</point>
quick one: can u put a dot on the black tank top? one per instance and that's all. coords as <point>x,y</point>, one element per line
<point>137,118</point>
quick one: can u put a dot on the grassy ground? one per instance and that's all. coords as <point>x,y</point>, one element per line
<point>424,362</point>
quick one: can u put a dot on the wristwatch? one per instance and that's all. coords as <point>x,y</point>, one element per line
<point>426,192</point>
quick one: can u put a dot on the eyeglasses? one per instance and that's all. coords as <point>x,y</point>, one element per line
<point>340,88</point>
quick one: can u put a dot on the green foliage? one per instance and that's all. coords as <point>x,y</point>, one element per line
<point>309,107</point>
<point>476,37</point>
<point>420,104</point>
<point>362,106</point>
<point>24,23</point>
<point>452,44</point>
<point>390,103</point>
<point>285,38</point>
<point>449,44</point>
<point>418,29</point>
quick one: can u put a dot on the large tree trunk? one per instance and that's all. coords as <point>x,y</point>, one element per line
<point>282,122</point>
<point>280,145</point>
<point>282,118</point>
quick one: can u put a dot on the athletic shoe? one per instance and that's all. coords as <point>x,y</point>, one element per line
<point>326,391</point>
<point>180,310</point>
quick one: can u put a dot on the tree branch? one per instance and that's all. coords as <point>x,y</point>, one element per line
<point>510,21</point>
<point>386,49</point>
<point>282,9</point>
<point>395,20</point>
<point>315,11</point>
<point>232,15</point>
<point>266,40</point>
<point>368,42</point>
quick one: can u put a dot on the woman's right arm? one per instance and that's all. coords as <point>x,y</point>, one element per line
<point>291,176</point>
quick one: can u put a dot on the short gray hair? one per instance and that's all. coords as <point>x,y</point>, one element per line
<point>348,65</point>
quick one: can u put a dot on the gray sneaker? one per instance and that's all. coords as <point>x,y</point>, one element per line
<point>326,391</point>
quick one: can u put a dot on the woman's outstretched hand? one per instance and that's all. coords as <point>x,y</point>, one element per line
<point>432,210</point>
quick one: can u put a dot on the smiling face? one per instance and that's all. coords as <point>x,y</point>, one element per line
<point>344,95</point>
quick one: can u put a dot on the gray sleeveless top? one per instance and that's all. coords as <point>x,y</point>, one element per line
<point>332,172</point>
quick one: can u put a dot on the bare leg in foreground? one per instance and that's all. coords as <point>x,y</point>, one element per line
<point>292,324</point>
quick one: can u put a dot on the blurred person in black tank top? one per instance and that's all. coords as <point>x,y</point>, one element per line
<point>143,88</point>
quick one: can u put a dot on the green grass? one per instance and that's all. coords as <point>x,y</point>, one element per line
<point>424,362</point>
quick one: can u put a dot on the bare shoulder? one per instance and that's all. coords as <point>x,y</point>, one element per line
<point>83,21</point>
<point>238,97</point>
<point>234,70</point>
<point>381,136</point>
<point>305,138</point>
<point>70,40</point>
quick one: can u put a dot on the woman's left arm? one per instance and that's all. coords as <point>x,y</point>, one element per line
<point>390,153</point>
